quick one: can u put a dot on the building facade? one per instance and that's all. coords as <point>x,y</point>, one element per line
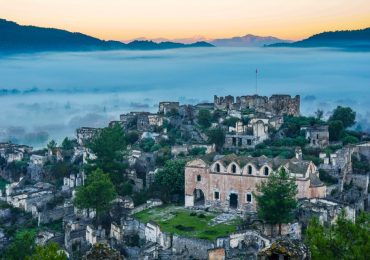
<point>318,135</point>
<point>229,182</point>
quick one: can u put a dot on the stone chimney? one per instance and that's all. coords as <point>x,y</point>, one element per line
<point>298,153</point>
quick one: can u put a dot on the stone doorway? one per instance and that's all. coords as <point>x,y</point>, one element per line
<point>199,199</point>
<point>233,201</point>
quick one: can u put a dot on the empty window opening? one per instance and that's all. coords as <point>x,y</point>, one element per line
<point>233,201</point>
<point>218,168</point>
<point>249,197</point>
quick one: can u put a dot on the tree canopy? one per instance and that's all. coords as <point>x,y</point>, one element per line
<point>342,240</point>
<point>50,251</point>
<point>109,146</point>
<point>97,193</point>
<point>52,144</point>
<point>344,114</point>
<point>22,246</point>
<point>336,130</point>
<point>276,200</point>
<point>171,179</point>
<point>68,144</point>
<point>204,118</point>
<point>216,136</point>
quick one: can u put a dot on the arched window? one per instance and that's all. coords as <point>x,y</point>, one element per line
<point>250,170</point>
<point>266,171</point>
<point>218,168</point>
<point>199,178</point>
<point>233,168</point>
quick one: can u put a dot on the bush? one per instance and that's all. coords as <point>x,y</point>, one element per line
<point>327,178</point>
<point>146,144</point>
<point>198,151</point>
<point>204,118</point>
<point>231,121</point>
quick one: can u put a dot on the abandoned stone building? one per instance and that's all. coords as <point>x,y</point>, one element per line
<point>327,211</point>
<point>247,136</point>
<point>318,135</point>
<point>274,105</point>
<point>167,106</point>
<point>229,182</point>
<point>142,121</point>
<point>13,152</point>
<point>25,197</point>
<point>84,134</point>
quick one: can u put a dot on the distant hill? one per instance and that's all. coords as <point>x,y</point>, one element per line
<point>248,40</point>
<point>355,39</point>
<point>151,45</point>
<point>20,38</point>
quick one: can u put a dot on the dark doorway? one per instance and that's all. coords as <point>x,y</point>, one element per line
<point>233,201</point>
<point>198,197</point>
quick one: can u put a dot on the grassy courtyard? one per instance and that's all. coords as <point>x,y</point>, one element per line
<point>178,220</point>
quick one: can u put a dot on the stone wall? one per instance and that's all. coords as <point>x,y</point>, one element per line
<point>278,105</point>
<point>194,248</point>
<point>149,204</point>
<point>359,180</point>
<point>48,216</point>
<point>154,234</point>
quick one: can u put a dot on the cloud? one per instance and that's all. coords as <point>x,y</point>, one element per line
<point>59,92</point>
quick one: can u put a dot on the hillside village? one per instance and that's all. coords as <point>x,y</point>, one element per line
<point>186,181</point>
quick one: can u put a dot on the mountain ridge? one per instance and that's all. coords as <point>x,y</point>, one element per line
<point>351,39</point>
<point>248,40</point>
<point>29,38</point>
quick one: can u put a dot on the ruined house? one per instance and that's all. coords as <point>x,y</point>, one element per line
<point>168,106</point>
<point>25,197</point>
<point>85,134</point>
<point>247,136</point>
<point>317,135</point>
<point>229,182</point>
<point>285,248</point>
<point>326,210</point>
<point>338,164</point>
<point>141,121</point>
<point>13,152</point>
<point>38,159</point>
<point>275,105</point>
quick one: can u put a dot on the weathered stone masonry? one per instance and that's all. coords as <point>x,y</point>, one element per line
<point>229,183</point>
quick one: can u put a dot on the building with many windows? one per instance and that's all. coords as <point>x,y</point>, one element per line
<point>230,181</point>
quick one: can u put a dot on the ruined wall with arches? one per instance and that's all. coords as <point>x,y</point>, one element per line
<point>231,186</point>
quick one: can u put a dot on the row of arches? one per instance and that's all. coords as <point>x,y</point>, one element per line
<point>249,169</point>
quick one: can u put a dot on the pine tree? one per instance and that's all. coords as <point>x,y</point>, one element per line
<point>276,200</point>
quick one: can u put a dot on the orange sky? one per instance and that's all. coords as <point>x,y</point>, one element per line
<point>128,19</point>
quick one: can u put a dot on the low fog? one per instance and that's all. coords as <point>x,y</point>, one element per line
<point>49,95</point>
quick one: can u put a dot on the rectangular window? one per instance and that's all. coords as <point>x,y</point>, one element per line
<point>234,141</point>
<point>249,197</point>
<point>217,195</point>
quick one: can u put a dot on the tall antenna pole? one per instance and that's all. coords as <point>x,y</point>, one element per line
<point>256,81</point>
